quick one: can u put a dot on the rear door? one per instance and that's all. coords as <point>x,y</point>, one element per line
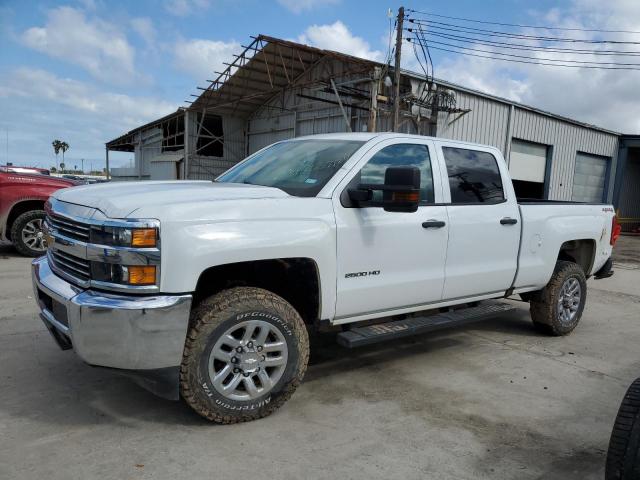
<point>484,221</point>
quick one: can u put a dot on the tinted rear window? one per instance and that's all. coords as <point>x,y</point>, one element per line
<point>474,176</point>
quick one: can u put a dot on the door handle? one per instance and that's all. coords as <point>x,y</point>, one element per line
<point>508,221</point>
<point>433,224</point>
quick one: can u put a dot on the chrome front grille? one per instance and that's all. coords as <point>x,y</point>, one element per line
<point>71,265</point>
<point>69,228</point>
<point>77,255</point>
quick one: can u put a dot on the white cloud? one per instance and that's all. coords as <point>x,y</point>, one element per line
<point>201,58</point>
<point>125,111</point>
<point>183,8</point>
<point>89,4</point>
<point>43,106</point>
<point>143,26</point>
<point>337,37</point>
<point>95,45</point>
<point>607,98</point>
<point>299,6</point>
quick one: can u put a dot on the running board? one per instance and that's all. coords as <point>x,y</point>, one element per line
<point>360,336</point>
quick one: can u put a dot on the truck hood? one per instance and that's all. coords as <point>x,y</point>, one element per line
<point>122,199</point>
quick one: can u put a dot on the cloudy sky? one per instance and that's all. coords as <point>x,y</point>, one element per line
<point>87,71</point>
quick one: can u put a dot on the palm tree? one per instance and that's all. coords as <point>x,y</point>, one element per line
<point>57,145</point>
<point>64,147</point>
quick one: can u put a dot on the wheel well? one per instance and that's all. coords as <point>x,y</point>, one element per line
<point>20,208</point>
<point>296,280</point>
<point>581,252</point>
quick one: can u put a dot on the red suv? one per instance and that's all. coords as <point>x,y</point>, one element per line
<point>22,195</point>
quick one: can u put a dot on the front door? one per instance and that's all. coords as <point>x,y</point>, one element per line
<point>388,260</point>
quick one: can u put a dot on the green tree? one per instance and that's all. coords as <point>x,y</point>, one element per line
<point>64,146</point>
<point>57,145</point>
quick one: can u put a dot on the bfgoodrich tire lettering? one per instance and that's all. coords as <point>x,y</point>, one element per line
<point>214,318</point>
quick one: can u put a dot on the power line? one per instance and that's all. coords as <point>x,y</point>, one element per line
<point>495,33</point>
<point>534,63</point>
<point>523,56</point>
<point>521,46</point>
<point>425,53</point>
<point>518,25</point>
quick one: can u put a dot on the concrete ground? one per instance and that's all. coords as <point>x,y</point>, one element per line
<point>496,400</point>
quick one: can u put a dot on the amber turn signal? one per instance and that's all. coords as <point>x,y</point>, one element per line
<point>406,196</point>
<point>142,274</point>
<point>143,237</point>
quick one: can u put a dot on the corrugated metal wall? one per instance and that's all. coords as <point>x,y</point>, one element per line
<point>488,123</point>
<point>566,140</point>
<point>265,130</point>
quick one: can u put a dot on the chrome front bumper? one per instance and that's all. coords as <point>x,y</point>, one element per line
<point>143,335</point>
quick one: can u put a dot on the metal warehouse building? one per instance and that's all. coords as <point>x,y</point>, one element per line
<point>276,89</point>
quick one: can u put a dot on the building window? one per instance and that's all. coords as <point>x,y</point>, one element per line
<point>474,176</point>
<point>210,136</point>
<point>528,168</point>
<point>173,134</point>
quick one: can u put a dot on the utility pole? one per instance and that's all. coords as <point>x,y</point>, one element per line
<point>396,80</point>
<point>373,109</point>
<point>82,160</point>
<point>107,162</point>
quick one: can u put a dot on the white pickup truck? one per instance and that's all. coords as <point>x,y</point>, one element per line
<point>207,290</point>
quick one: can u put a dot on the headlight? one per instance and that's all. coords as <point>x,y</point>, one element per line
<point>124,237</point>
<point>123,274</point>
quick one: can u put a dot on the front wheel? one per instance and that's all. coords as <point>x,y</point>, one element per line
<point>27,235</point>
<point>557,308</point>
<point>246,352</point>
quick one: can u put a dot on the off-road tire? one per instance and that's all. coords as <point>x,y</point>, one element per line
<point>623,459</point>
<point>544,304</point>
<point>16,232</point>
<point>208,321</point>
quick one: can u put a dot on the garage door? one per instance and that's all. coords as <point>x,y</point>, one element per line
<point>527,165</point>
<point>527,161</point>
<point>590,178</point>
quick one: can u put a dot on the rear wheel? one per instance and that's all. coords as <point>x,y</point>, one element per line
<point>557,308</point>
<point>27,235</point>
<point>246,353</point>
<point>623,459</point>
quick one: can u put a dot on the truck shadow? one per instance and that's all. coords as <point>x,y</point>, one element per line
<point>78,395</point>
<point>328,358</point>
<point>7,251</point>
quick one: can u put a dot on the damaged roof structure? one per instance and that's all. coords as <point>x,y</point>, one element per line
<point>273,89</point>
<point>277,89</point>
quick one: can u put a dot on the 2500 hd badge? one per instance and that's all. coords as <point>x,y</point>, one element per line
<point>362,274</point>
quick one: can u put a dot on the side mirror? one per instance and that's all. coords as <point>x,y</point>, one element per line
<point>360,195</point>
<point>401,189</point>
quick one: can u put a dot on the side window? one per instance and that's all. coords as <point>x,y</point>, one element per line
<point>474,176</point>
<point>400,155</point>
